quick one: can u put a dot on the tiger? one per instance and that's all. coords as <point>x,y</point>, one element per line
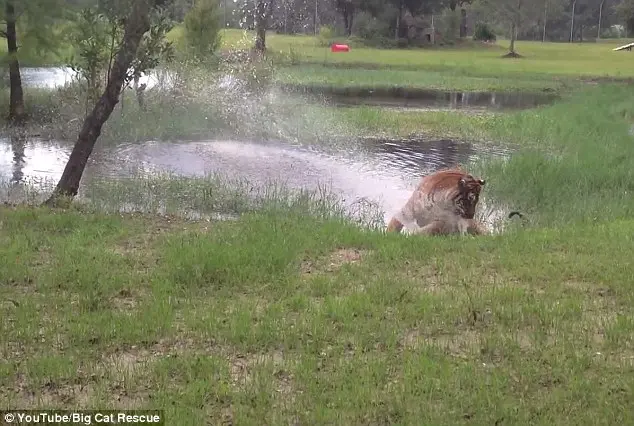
<point>443,203</point>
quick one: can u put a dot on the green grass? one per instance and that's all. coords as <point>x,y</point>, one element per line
<point>548,59</point>
<point>467,66</point>
<point>283,318</point>
<point>319,75</point>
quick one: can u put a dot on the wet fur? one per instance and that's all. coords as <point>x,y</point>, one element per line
<point>443,203</point>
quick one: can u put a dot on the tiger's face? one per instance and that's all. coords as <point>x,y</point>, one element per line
<point>469,194</point>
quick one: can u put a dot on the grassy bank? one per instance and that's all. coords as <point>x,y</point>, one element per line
<point>282,318</point>
<point>450,80</point>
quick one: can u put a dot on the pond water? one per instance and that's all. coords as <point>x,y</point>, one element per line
<point>381,171</point>
<point>422,99</point>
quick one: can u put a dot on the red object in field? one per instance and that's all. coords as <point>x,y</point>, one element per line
<point>339,48</point>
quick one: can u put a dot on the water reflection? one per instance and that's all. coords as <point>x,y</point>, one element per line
<point>425,99</point>
<point>51,77</point>
<point>18,143</point>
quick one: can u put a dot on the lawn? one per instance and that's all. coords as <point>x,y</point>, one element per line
<point>549,59</point>
<point>283,318</point>
<point>454,80</point>
<point>468,66</point>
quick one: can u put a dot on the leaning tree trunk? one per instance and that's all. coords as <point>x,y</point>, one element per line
<point>137,24</point>
<point>16,97</point>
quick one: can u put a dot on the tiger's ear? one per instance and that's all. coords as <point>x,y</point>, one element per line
<point>481,182</point>
<point>462,182</point>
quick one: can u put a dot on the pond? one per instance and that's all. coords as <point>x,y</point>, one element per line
<point>381,171</point>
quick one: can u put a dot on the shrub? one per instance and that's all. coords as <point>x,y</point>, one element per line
<point>326,35</point>
<point>202,29</point>
<point>483,32</point>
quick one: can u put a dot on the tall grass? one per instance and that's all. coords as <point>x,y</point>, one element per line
<point>578,160</point>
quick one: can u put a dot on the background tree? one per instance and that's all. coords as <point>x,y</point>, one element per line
<point>452,4</point>
<point>625,10</point>
<point>509,11</point>
<point>31,21</point>
<point>347,8</point>
<point>263,11</point>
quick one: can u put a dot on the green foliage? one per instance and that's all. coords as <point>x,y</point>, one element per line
<point>94,38</point>
<point>625,10</point>
<point>450,25</point>
<point>326,35</point>
<point>483,32</point>
<point>373,31</point>
<point>96,35</point>
<point>202,29</point>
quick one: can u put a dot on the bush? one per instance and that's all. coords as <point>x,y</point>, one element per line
<point>326,35</point>
<point>483,32</point>
<point>202,29</point>
<point>374,32</point>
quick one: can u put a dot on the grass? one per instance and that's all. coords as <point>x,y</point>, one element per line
<point>286,318</point>
<point>320,75</point>
<point>545,59</point>
<point>292,314</point>
<point>302,60</point>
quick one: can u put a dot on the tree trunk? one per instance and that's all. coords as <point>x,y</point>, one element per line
<point>315,20</point>
<point>545,20</point>
<point>600,15</point>
<point>463,23</point>
<point>398,20</point>
<point>262,12</point>
<point>572,21</point>
<point>16,97</point>
<point>137,24</point>
<point>513,32</point>
<point>351,20</point>
<point>260,26</point>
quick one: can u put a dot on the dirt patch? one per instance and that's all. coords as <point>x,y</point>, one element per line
<point>52,393</point>
<point>513,55</point>
<point>153,227</point>
<point>460,345</point>
<point>333,262</point>
<point>125,301</point>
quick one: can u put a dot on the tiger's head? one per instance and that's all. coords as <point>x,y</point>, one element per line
<point>468,195</point>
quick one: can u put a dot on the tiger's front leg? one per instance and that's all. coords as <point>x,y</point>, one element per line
<point>436,227</point>
<point>476,228</point>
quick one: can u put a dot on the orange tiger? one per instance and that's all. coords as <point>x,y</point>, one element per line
<point>443,203</point>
